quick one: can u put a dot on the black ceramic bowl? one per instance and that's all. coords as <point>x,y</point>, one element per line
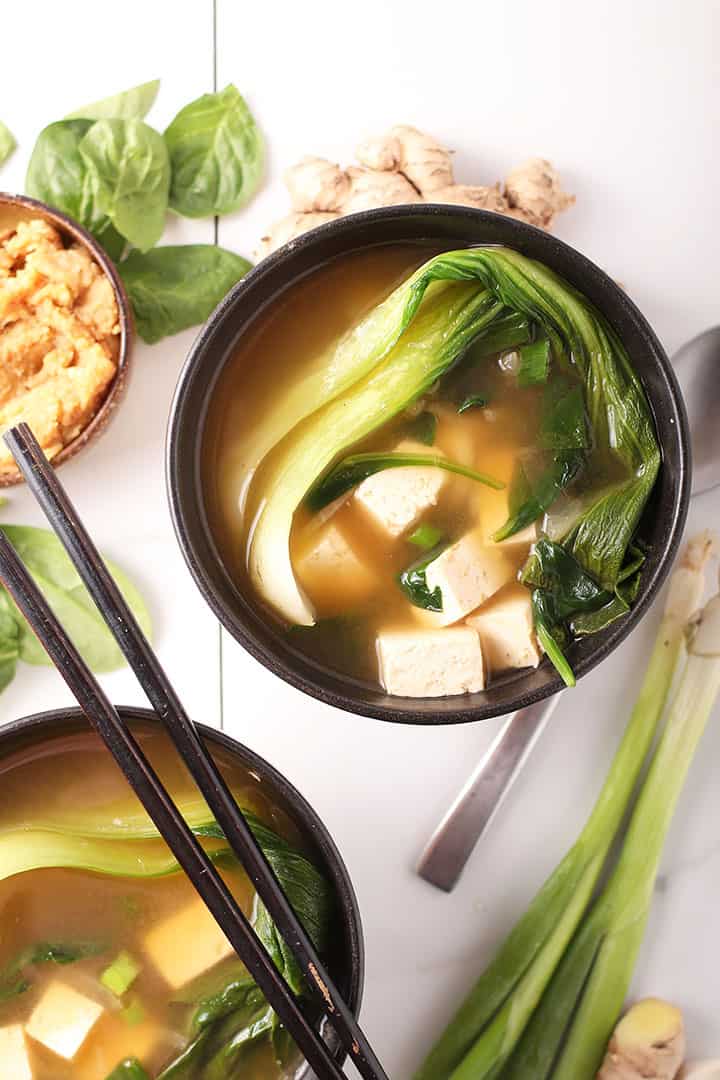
<point>346,963</point>
<point>453,227</point>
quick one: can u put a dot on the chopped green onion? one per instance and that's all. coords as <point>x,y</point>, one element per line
<point>534,363</point>
<point>121,974</point>
<point>354,469</point>
<point>425,536</point>
<point>472,401</point>
<point>134,1013</point>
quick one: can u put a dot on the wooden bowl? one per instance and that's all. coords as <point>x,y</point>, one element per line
<point>15,208</point>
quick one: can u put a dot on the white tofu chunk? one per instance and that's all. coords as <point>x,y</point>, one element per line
<point>331,572</point>
<point>396,499</point>
<point>467,573</point>
<point>431,663</point>
<point>62,1019</point>
<point>14,1058</point>
<point>186,944</point>
<point>505,626</point>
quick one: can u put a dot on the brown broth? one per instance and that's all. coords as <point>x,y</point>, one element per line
<point>74,775</point>
<point>282,347</point>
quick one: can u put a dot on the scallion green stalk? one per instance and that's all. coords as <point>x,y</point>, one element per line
<point>481,1038</point>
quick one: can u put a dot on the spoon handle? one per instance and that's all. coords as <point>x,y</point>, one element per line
<point>443,860</point>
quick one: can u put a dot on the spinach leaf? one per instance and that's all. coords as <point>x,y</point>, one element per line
<point>130,103</point>
<point>7,143</point>
<point>551,634</point>
<point>354,469</point>
<point>130,1069</point>
<point>472,401</point>
<point>14,983</point>
<point>58,175</point>
<point>534,363</point>
<point>130,170</point>
<point>413,582</point>
<point>422,428</point>
<point>51,568</point>
<point>172,288</point>
<point>217,155</point>
<point>552,569</point>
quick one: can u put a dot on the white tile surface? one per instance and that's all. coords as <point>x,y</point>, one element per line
<point>624,98</point>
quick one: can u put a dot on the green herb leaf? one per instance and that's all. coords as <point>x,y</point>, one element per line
<point>425,536</point>
<point>136,103</point>
<point>59,176</point>
<point>413,582</point>
<point>217,155</point>
<point>354,469</point>
<point>45,558</point>
<point>422,428</point>
<point>130,170</point>
<point>172,288</point>
<point>7,143</point>
<point>472,401</point>
<point>129,1069</point>
<point>534,363</point>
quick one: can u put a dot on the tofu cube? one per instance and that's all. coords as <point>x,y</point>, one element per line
<point>467,573</point>
<point>62,1019</point>
<point>331,573</point>
<point>431,663</point>
<point>505,626</point>
<point>13,1053</point>
<point>186,944</point>
<point>396,499</point>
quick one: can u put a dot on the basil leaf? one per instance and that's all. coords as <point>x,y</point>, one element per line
<point>130,103</point>
<point>174,287</point>
<point>58,176</point>
<point>217,155</point>
<point>7,143</point>
<point>413,582</point>
<point>130,170</point>
<point>45,558</point>
<point>534,363</point>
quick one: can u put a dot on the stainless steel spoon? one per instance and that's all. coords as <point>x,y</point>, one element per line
<point>697,366</point>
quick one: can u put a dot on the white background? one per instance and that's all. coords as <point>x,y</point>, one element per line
<point>624,98</point>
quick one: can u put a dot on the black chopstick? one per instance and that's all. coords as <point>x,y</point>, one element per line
<point>162,810</point>
<point>61,514</point>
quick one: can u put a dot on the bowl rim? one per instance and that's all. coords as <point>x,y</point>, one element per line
<point>116,389</point>
<point>234,623</point>
<point>306,816</point>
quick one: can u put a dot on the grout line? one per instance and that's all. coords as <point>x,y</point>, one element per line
<point>216,238</point>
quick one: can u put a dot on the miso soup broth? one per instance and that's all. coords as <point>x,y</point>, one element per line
<point>100,967</point>
<point>411,576</point>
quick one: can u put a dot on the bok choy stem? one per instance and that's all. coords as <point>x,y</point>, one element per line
<point>479,1041</point>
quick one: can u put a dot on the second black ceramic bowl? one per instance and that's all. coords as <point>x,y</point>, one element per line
<point>448,227</point>
<point>346,959</point>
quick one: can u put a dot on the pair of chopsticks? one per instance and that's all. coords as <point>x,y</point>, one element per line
<point>58,509</point>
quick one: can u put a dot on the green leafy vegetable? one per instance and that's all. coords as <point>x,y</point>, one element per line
<point>472,401</point>
<point>136,102</point>
<point>354,469</point>
<point>509,330</point>
<point>121,973</point>
<point>12,980</point>
<point>59,175</point>
<point>134,1013</point>
<point>60,583</point>
<point>422,428</point>
<point>534,363</point>
<point>130,170</point>
<point>413,582</point>
<point>7,143</point>
<point>217,155</point>
<point>175,287</point>
<point>129,1069</point>
<point>529,503</point>
<point>425,536</point>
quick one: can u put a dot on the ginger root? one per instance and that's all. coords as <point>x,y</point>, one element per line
<point>408,166</point>
<point>647,1044</point>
